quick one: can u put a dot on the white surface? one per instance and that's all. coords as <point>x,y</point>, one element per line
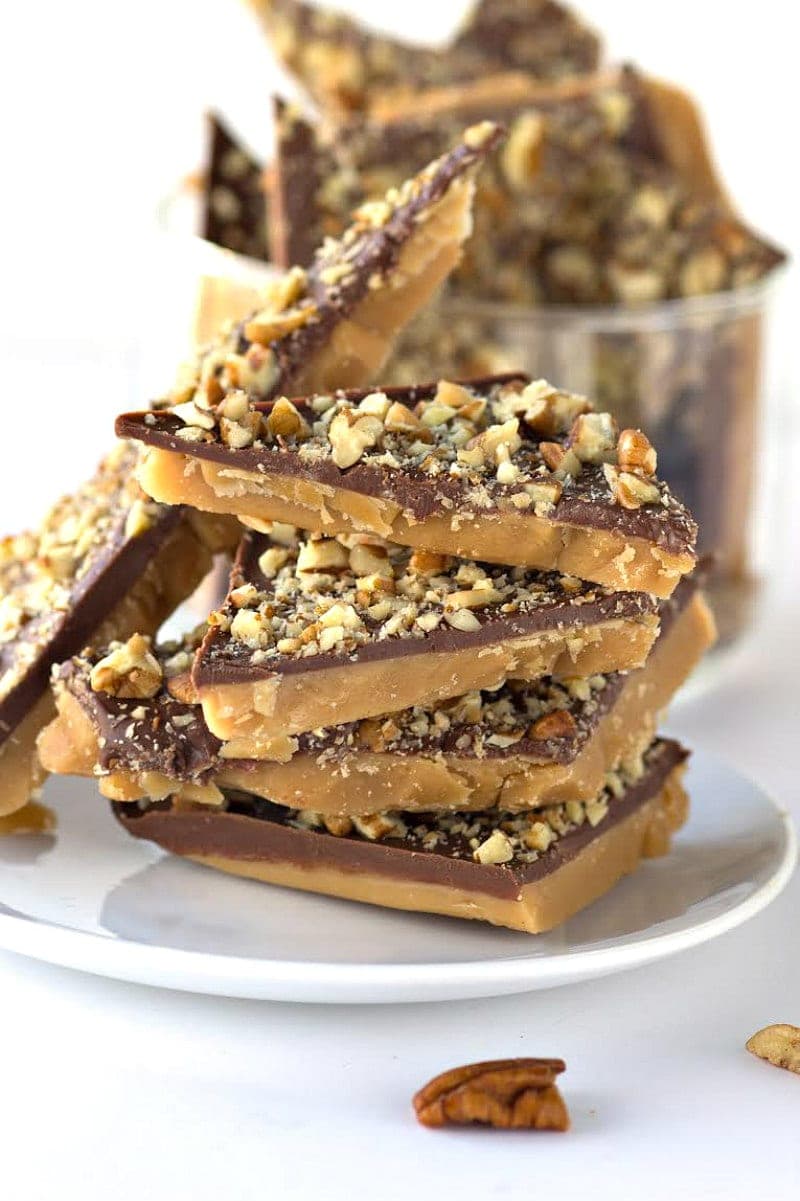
<point>115,1092</point>
<point>93,898</point>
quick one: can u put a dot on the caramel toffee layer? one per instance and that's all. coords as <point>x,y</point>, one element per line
<point>502,446</point>
<point>345,66</point>
<point>316,609</point>
<point>58,585</point>
<point>495,853</point>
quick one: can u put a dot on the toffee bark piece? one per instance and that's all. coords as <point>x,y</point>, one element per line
<point>345,67</point>
<point>484,867</point>
<point>234,205</point>
<point>521,747</point>
<point>333,325</point>
<point>106,562</point>
<point>502,469</point>
<point>605,191</point>
<point>335,630</point>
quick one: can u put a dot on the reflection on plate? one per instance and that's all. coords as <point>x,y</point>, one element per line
<point>93,898</point>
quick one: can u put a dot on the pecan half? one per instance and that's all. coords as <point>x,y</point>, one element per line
<point>778,1044</point>
<point>510,1094</point>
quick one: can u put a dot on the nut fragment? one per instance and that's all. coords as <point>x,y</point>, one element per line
<point>130,669</point>
<point>779,1044</point>
<point>349,439</point>
<point>558,724</point>
<point>522,153</point>
<point>496,848</point>
<point>636,453</point>
<point>400,419</point>
<point>630,490</point>
<point>322,555</point>
<point>593,437</point>
<point>428,562</point>
<point>285,421</point>
<point>510,1094</point>
<point>561,461</point>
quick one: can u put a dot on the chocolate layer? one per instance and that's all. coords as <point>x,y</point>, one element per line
<point>255,829</point>
<point>584,501</point>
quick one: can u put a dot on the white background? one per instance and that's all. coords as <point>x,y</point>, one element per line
<point>115,1093</point>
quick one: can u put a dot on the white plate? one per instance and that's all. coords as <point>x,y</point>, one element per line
<point>93,898</point>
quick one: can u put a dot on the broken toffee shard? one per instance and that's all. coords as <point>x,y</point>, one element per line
<point>507,869</point>
<point>332,630</point>
<point>333,325</point>
<point>346,68</point>
<point>106,562</point>
<point>501,469</point>
<point>605,190</point>
<point>233,198</point>
<point>519,748</point>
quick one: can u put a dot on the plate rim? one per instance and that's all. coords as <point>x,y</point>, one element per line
<point>215,974</point>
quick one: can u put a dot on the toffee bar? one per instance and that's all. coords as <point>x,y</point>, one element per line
<point>605,190</point>
<point>516,871</point>
<point>105,563</point>
<point>334,630</point>
<point>502,469</point>
<point>346,68</point>
<point>520,748</point>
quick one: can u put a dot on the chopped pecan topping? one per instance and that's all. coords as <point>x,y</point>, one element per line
<point>510,1094</point>
<point>629,490</point>
<point>635,453</point>
<point>130,669</point>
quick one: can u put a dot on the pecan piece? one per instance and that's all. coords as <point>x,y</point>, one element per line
<point>778,1044</point>
<point>510,1094</point>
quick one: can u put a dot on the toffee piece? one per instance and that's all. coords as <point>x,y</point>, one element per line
<point>604,192</point>
<point>521,747</point>
<point>333,630</point>
<point>333,325</point>
<point>234,205</point>
<point>528,872</point>
<point>105,562</point>
<point>502,469</point>
<point>345,67</point>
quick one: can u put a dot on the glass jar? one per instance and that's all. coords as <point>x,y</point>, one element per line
<point>688,372</point>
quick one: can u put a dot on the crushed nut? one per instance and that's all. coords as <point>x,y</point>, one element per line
<point>630,490</point>
<point>349,439</point>
<point>593,437</point>
<point>130,669</point>
<point>496,848</point>
<point>284,420</point>
<point>558,724</point>
<point>635,453</point>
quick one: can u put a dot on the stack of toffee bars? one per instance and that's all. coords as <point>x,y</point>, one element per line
<point>456,610</point>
